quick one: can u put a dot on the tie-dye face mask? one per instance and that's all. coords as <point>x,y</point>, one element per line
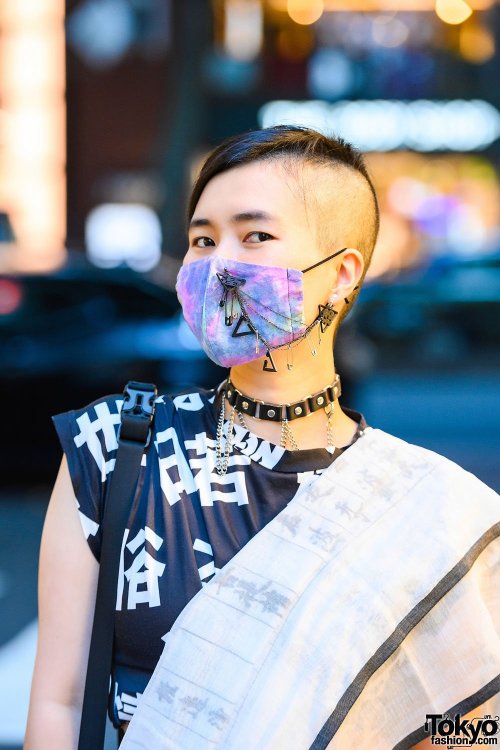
<point>240,311</point>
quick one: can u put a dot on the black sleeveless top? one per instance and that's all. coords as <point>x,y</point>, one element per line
<point>186,521</point>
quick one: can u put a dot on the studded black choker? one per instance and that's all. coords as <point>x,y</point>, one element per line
<point>280,412</point>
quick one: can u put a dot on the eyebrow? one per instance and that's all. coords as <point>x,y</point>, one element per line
<point>236,218</point>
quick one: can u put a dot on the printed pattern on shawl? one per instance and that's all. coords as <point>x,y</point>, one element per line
<point>309,617</point>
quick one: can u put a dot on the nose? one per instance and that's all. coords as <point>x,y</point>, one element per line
<point>228,246</point>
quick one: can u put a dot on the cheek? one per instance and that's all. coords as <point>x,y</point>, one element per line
<point>316,293</point>
<point>189,257</point>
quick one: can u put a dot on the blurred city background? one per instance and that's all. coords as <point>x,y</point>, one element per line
<point>107,108</point>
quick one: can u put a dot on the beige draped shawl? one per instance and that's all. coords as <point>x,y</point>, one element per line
<point>371,600</point>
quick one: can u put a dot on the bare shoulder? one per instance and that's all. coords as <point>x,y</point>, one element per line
<point>66,591</point>
<point>67,575</point>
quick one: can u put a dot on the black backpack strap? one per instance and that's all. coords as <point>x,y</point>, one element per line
<point>134,436</point>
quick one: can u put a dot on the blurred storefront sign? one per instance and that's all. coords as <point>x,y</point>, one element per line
<point>33,130</point>
<point>434,207</point>
<point>387,125</point>
<point>243,29</point>
<point>123,234</point>
<point>437,197</point>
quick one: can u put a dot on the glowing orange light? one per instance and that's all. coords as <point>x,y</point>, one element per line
<point>453,11</point>
<point>305,12</point>
<point>477,44</point>
<point>33,130</point>
<point>371,6</point>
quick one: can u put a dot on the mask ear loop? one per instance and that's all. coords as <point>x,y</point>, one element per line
<point>322,324</point>
<point>320,262</point>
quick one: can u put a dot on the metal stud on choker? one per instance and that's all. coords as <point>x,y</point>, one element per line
<point>242,404</point>
<point>279,412</point>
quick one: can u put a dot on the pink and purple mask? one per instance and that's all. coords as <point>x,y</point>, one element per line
<point>240,311</point>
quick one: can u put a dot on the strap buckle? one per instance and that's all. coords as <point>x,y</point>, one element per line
<point>137,412</point>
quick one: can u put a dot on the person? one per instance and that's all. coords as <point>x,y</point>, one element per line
<point>290,576</point>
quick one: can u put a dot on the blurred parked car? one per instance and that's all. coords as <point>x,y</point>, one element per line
<point>446,314</point>
<point>70,337</point>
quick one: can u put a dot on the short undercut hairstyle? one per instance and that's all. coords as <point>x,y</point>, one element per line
<point>292,144</point>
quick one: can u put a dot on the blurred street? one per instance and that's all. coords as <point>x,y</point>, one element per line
<point>109,109</point>
<point>21,519</point>
<point>455,414</point>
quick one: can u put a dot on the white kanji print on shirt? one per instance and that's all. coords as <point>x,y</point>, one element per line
<point>171,457</point>
<point>211,486</point>
<point>126,704</point>
<point>188,401</point>
<point>105,422</point>
<point>90,527</point>
<point>183,507</point>
<point>257,449</point>
<point>207,568</point>
<point>141,577</point>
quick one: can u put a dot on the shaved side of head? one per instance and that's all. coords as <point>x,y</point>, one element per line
<point>326,173</point>
<point>340,206</point>
<point>344,207</point>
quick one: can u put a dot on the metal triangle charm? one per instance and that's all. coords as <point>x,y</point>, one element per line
<point>326,316</point>
<point>236,333</point>
<point>269,358</point>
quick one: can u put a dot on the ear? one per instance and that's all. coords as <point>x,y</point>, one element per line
<point>349,272</point>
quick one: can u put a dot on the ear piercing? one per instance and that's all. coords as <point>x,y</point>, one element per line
<point>326,316</point>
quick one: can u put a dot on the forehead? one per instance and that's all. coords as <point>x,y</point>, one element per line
<point>263,185</point>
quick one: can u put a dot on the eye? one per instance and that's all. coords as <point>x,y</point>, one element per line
<point>262,236</point>
<point>202,242</point>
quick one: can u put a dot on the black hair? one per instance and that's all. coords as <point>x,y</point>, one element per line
<point>296,143</point>
<point>280,140</point>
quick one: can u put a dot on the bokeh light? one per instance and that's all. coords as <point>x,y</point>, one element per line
<point>432,205</point>
<point>453,11</point>
<point>378,125</point>
<point>243,28</point>
<point>33,130</point>
<point>305,11</point>
<point>123,234</point>
<point>389,31</point>
<point>476,42</point>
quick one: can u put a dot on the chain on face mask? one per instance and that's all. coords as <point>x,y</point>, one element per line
<point>241,311</point>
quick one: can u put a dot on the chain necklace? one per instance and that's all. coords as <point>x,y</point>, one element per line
<point>222,458</point>
<point>287,436</point>
<point>330,445</point>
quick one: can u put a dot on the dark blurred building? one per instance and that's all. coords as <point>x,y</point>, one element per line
<point>149,93</point>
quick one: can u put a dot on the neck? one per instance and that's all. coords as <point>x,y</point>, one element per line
<point>308,375</point>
